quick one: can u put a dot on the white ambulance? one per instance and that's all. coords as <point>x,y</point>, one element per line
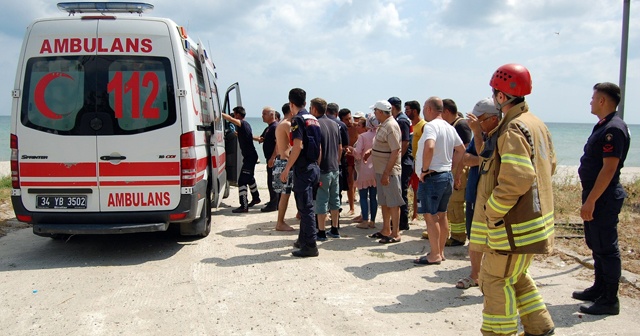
<point>116,125</point>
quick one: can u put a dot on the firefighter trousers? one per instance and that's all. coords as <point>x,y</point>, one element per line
<point>510,291</point>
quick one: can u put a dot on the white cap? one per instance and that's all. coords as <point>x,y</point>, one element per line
<point>358,114</point>
<point>381,105</point>
<point>485,106</point>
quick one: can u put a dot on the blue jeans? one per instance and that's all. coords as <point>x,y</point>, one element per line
<point>434,193</point>
<point>369,203</point>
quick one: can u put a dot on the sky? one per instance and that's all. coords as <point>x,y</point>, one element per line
<point>356,52</point>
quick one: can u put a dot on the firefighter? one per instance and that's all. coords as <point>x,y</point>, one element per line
<point>515,202</point>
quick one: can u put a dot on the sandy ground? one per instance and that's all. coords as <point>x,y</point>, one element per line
<point>242,280</point>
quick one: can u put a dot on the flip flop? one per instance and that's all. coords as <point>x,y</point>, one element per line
<point>424,261</point>
<point>388,240</point>
<point>376,235</point>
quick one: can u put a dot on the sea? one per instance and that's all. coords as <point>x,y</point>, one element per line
<point>568,140</point>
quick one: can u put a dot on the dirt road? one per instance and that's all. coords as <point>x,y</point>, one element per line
<point>242,280</point>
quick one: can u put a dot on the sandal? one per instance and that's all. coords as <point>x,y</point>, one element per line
<point>424,261</point>
<point>376,235</point>
<point>389,240</point>
<point>466,283</point>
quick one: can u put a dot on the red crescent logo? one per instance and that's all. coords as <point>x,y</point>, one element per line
<point>41,87</point>
<point>195,109</point>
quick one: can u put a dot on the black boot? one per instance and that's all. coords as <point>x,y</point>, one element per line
<point>306,251</point>
<point>606,304</point>
<point>592,293</point>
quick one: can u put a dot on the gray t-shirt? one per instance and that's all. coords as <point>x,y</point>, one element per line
<point>330,142</point>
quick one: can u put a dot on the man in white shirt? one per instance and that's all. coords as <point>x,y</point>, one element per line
<point>440,152</point>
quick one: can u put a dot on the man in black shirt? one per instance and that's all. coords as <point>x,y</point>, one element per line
<point>332,113</point>
<point>455,210</point>
<point>406,159</point>
<point>268,141</point>
<point>246,180</point>
<point>602,198</point>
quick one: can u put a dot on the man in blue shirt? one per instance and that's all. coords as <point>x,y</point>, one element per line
<point>328,194</point>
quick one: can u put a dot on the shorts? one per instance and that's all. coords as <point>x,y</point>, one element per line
<point>434,193</point>
<point>414,181</point>
<point>278,186</point>
<point>391,194</point>
<point>328,194</point>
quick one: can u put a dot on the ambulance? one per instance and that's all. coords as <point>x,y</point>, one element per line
<point>116,125</point>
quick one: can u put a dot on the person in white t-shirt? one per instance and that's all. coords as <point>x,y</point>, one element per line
<point>440,152</point>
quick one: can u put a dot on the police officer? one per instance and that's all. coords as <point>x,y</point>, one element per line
<point>602,198</point>
<point>305,132</point>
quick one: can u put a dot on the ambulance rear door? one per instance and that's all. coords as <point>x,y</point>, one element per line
<point>56,145</point>
<point>234,154</point>
<point>138,131</point>
<point>213,127</point>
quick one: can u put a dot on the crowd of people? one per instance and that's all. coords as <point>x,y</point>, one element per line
<point>486,178</point>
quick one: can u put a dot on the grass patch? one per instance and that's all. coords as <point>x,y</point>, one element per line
<point>569,225</point>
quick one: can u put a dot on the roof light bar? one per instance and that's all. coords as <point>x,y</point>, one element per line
<point>104,7</point>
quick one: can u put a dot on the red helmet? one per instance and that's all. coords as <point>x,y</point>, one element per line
<point>512,79</point>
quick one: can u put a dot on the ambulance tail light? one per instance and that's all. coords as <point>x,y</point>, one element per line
<point>24,218</point>
<point>15,177</point>
<point>188,160</point>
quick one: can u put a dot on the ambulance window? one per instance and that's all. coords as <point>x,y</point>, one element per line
<point>54,93</point>
<point>200,90</point>
<point>138,93</point>
<point>217,116</point>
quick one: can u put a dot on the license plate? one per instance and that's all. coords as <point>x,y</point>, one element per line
<point>61,202</point>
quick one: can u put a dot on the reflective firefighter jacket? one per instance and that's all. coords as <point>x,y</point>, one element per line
<point>514,205</point>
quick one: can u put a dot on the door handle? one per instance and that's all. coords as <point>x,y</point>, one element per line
<point>111,158</point>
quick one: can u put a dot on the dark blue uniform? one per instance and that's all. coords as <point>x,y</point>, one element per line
<point>246,180</point>
<point>406,162</point>
<point>306,174</point>
<point>609,138</point>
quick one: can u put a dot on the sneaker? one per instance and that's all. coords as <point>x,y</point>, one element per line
<point>333,235</point>
<point>254,201</point>
<point>453,242</point>
<point>240,210</point>
<point>321,236</point>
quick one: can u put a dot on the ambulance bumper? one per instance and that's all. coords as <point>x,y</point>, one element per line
<point>48,229</point>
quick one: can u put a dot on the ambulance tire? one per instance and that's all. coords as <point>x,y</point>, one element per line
<point>206,216</point>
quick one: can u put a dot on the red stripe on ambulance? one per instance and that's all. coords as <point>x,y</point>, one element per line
<point>33,169</point>
<point>140,169</point>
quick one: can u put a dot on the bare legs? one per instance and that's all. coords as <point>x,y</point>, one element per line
<point>438,229</point>
<point>281,225</point>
